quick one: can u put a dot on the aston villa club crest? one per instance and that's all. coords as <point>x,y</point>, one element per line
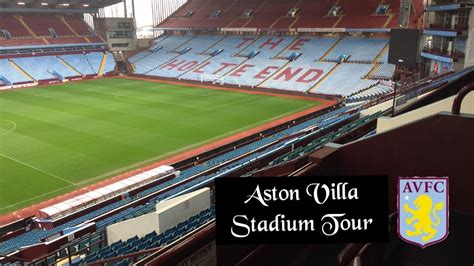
<point>423,210</point>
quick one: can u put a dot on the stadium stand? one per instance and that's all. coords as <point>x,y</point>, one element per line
<point>268,14</point>
<point>146,61</point>
<point>346,79</point>
<point>172,44</point>
<point>199,43</point>
<point>46,68</point>
<point>254,71</point>
<point>45,29</point>
<point>178,66</point>
<point>46,25</point>
<point>228,12</point>
<point>267,61</point>
<point>244,11</point>
<point>13,25</point>
<point>152,61</point>
<point>95,59</point>
<point>384,71</point>
<point>233,44</point>
<point>362,15</point>
<point>21,42</point>
<point>79,62</point>
<point>300,75</point>
<point>268,46</point>
<point>370,93</point>
<point>46,45</point>
<point>11,73</point>
<point>337,66</point>
<point>66,40</point>
<point>109,66</point>
<point>312,146</point>
<point>359,50</point>
<point>215,67</point>
<point>78,24</point>
<point>36,69</point>
<point>204,14</point>
<point>315,16</point>
<point>310,47</point>
<point>152,240</point>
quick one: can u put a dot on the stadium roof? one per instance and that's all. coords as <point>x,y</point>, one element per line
<point>63,6</point>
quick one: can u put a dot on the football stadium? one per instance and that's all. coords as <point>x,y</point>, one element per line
<point>118,116</point>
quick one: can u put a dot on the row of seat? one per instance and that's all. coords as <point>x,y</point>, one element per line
<point>371,93</point>
<point>55,67</point>
<point>274,14</point>
<point>42,67</point>
<point>347,79</point>
<point>152,240</point>
<point>10,73</point>
<point>41,25</point>
<point>385,71</point>
<point>361,50</point>
<point>270,67</point>
<point>312,146</point>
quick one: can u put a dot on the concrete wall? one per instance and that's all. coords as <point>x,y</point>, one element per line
<point>176,210</point>
<point>168,214</point>
<point>106,25</point>
<point>139,226</point>
<point>388,123</point>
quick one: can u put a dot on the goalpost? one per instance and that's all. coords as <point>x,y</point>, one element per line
<point>212,78</point>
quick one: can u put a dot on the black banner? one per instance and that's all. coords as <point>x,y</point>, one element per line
<point>301,210</point>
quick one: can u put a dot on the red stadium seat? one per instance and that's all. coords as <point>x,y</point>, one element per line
<point>267,14</point>
<point>273,14</point>
<point>21,42</point>
<point>66,40</point>
<point>40,24</point>
<point>13,25</point>
<point>78,24</point>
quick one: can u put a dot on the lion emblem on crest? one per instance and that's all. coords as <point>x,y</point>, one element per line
<point>421,218</point>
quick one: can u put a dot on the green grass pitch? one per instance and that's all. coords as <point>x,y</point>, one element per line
<point>58,138</point>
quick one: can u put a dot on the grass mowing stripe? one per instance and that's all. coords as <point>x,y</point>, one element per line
<point>150,160</point>
<point>117,95</point>
<point>86,136</point>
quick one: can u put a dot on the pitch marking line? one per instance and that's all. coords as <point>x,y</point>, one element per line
<point>162,88</point>
<point>135,166</point>
<point>11,130</point>
<point>38,169</point>
<point>159,87</point>
<point>235,102</point>
<point>138,164</point>
<point>165,88</point>
<point>144,99</point>
<point>33,198</point>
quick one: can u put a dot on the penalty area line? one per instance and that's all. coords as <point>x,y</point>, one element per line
<point>33,198</point>
<point>38,169</point>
